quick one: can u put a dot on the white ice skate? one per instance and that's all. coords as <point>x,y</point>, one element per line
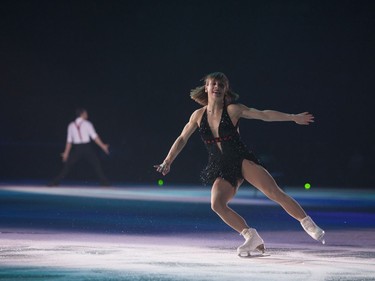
<point>312,229</point>
<point>253,243</point>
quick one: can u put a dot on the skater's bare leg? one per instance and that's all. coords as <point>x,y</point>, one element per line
<point>221,193</point>
<point>262,180</point>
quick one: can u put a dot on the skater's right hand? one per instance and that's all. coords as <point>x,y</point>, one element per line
<point>105,148</point>
<point>163,168</point>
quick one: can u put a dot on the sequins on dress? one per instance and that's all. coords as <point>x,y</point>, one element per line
<point>227,162</point>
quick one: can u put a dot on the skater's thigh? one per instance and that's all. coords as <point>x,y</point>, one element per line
<point>260,178</point>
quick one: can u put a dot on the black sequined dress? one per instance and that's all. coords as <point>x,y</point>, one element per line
<point>227,162</point>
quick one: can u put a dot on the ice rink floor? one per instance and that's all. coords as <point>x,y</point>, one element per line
<point>170,233</point>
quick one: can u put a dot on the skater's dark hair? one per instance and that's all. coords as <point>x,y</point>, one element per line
<point>79,111</point>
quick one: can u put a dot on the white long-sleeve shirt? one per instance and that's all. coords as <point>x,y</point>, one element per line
<point>81,131</point>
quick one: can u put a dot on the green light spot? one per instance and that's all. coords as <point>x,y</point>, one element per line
<point>307,186</point>
<point>160,182</point>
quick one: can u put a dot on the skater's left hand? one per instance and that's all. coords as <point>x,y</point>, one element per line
<point>304,118</point>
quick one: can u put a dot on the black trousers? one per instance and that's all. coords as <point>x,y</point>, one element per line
<point>79,152</point>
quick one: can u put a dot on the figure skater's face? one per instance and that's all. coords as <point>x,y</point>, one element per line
<point>215,89</point>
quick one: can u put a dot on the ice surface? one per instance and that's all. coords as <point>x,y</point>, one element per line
<point>39,250</point>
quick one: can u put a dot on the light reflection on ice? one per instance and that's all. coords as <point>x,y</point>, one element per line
<point>179,258</point>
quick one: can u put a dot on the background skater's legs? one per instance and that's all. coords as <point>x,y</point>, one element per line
<point>94,161</point>
<point>74,156</point>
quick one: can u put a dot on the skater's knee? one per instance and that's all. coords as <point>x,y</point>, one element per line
<point>218,207</point>
<point>222,192</point>
<point>276,194</point>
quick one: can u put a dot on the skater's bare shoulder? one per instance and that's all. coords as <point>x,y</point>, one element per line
<point>192,124</point>
<point>236,109</point>
<point>197,115</point>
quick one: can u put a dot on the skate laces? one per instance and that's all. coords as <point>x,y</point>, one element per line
<point>309,225</point>
<point>312,229</point>
<point>246,233</point>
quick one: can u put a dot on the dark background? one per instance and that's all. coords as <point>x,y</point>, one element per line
<point>133,63</point>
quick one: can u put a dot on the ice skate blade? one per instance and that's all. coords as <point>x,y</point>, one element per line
<point>260,250</point>
<point>321,238</point>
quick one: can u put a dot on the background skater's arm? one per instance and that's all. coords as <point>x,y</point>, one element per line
<point>65,154</point>
<point>103,146</point>
<point>303,118</point>
<point>178,145</point>
<point>94,136</point>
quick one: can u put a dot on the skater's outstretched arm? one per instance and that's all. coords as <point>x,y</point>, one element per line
<point>242,111</point>
<point>103,146</point>
<point>179,144</point>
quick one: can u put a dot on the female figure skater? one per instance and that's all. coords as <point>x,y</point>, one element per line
<point>230,162</point>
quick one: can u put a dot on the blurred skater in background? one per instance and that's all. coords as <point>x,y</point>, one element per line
<point>78,147</point>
